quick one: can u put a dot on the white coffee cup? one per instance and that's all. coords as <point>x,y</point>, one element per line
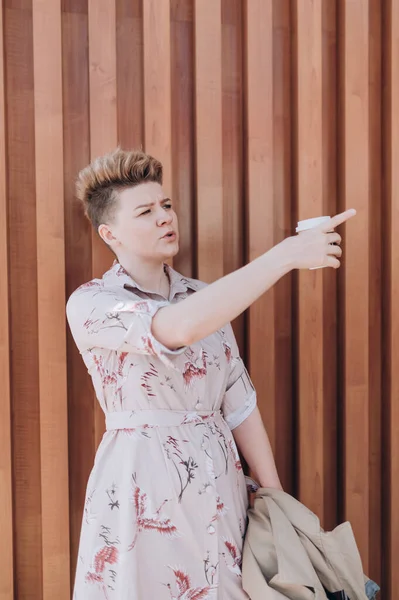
<point>307,224</point>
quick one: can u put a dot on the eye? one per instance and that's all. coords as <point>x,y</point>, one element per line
<point>168,205</point>
<point>146,212</point>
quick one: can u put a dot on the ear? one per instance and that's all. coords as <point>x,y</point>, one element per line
<point>106,234</point>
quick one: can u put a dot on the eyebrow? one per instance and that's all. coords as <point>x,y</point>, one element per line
<point>152,204</point>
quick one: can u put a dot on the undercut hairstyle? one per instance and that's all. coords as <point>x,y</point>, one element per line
<point>98,184</point>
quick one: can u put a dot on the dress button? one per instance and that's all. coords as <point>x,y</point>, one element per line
<point>211,529</point>
<point>198,405</point>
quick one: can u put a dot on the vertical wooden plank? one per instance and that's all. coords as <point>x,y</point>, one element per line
<point>208,106</point>
<point>51,297</point>
<point>78,249</point>
<point>330,304</point>
<point>284,442</point>
<point>311,401</point>
<point>129,65</point>
<point>354,60</point>
<point>183,125</point>
<point>362,363</point>
<point>157,85</point>
<point>6,514</point>
<point>375,280</point>
<point>390,308</point>
<point>103,120</point>
<point>268,143</point>
<point>260,197</point>
<point>103,116</point>
<point>232,131</point>
<point>232,107</point>
<point>23,299</point>
<point>102,60</point>
<point>309,152</point>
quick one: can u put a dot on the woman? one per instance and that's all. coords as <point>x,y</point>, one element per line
<point>165,510</point>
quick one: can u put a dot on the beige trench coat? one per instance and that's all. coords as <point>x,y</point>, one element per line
<point>287,555</point>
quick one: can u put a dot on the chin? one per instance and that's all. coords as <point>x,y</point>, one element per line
<point>173,252</point>
<point>170,252</point>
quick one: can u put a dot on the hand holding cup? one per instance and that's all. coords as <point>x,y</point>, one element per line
<point>317,244</point>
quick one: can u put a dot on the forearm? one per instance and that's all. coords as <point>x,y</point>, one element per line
<point>253,443</point>
<point>206,311</point>
<point>213,307</point>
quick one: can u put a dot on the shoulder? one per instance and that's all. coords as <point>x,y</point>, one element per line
<point>81,299</point>
<point>93,294</point>
<point>86,289</point>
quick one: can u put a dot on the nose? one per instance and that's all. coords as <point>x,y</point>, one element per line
<point>164,218</point>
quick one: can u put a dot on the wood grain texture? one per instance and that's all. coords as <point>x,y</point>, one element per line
<point>47,69</point>
<point>284,401</point>
<point>208,110</point>
<point>375,318</point>
<point>6,514</point>
<point>78,253</point>
<point>232,144</point>
<point>260,205</point>
<point>157,86</point>
<point>362,352</point>
<point>330,279</point>
<point>183,130</point>
<point>103,124</point>
<point>316,341</point>
<point>390,310</point>
<point>23,289</point>
<point>129,73</point>
<point>103,107</point>
<point>310,286</point>
<point>263,112</point>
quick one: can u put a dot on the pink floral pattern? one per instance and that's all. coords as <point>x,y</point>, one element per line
<point>102,570</point>
<point>192,371</point>
<point>185,591</point>
<point>147,519</point>
<point>165,508</point>
<point>146,380</point>
<point>232,557</point>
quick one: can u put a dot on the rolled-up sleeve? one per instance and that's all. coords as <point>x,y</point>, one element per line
<point>240,397</point>
<point>99,318</point>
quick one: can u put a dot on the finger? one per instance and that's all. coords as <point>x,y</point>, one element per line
<point>334,238</point>
<point>334,250</point>
<point>333,262</point>
<point>338,220</point>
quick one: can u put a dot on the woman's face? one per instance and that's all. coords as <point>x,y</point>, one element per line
<point>145,224</point>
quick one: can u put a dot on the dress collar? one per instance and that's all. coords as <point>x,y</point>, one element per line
<point>117,275</point>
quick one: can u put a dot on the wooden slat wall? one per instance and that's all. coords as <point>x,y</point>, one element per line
<point>6,580</point>
<point>263,112</point>
<point>390,349</point>
<point>157,85</point>
<point>23,300</point>
<point>47,67</point>
<point>361,346</point>
<point>208,141</point>
<point>259,157</point>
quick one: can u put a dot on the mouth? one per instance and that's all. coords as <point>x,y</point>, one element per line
<point>169,237</point>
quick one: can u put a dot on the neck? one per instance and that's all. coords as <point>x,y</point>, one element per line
<point>150,276</point>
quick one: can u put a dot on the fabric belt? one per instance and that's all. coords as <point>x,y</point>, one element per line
<point>158,418</point>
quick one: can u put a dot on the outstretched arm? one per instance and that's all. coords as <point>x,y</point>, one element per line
<point>206,311</point>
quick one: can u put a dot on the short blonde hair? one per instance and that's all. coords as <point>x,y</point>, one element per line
<point>98,184</point>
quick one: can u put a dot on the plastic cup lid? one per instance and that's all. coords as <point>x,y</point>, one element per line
<point>311,223</point>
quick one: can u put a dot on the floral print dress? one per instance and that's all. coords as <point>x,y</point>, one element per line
<point>165,509</point>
